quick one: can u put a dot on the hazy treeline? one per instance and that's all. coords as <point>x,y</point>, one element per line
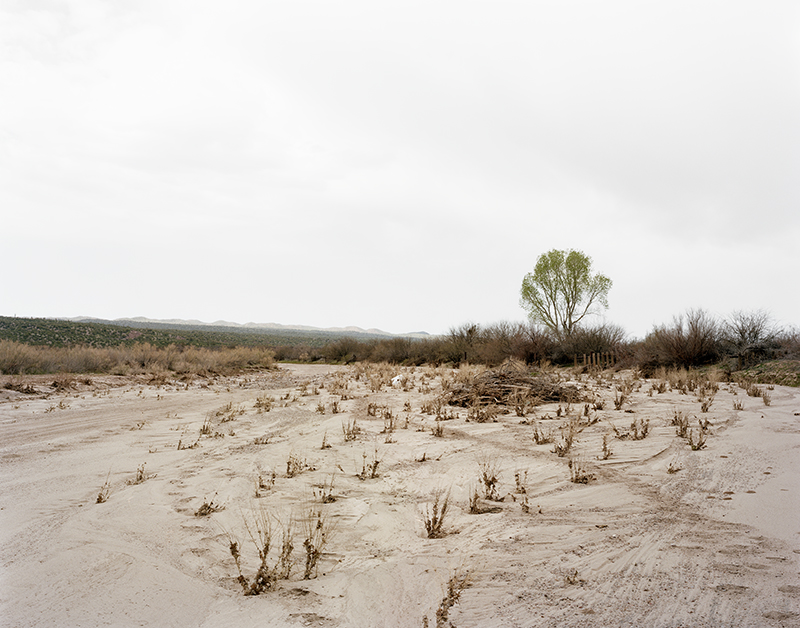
<point>692,339</point>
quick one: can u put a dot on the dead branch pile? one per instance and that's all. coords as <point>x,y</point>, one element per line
<point>507,384</point>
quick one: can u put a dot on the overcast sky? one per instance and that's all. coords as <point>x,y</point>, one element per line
<point>398,165</point>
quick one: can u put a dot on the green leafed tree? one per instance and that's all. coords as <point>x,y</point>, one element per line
<point>562,290</point>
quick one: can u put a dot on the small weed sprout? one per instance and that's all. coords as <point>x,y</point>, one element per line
<point>295,465</point>
<point>208,506</point>
<point>141,476</point>
<point>326,490</point>
<point>520,479</point>
<point>490,478</point>
<point>369,471</point>
<point>455,586</point>
<point>350,430</point>
<point>696,440</point>
<point>541,437</point>
<point>438,429</point>
<point>321,408</point>
<point>766,398</point>
<point>606,452</point>
<point>105,490</point>
<point>317,532</point>
<point>738,404</point>
<point>705,404</point>
<point>264,483</point>
<point>639,429</point>
<point>673,467</point>
<point>435,514</point>
<point>325,443</point>
<point>563,446</point>
<point>681,423</point>
<point>578,472</point>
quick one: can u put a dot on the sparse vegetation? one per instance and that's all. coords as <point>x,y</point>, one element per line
<point>208,507</point>
<point>261,531</point>
<point>317,533</point>
<point>435,514</point>
<point>141,476</point>
<point>489,476</point>
<point>696,439</point>
<point>105,490</point>
<point>578,472</point>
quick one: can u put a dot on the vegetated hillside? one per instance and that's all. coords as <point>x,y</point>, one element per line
<point>60,333</point>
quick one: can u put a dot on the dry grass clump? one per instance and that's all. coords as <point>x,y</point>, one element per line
<point>264,403</point>
<point>542,437</point>
<point>208,507</point>
<point>105,490</point>
<point>435,513</point>
<point>564,444</point>
<point>681,423</point>
<point>261,532</point>
<point>606,451</point>
<point>141,476</point>
<point>489,476</point>
<point>578,472</point>
<point>350,430</point>
<point>369,470</point>
<point>295,465</point>
<point>19,359</point>
<point>696,439</point>
<point>317,533</point>
<point>455,586</point>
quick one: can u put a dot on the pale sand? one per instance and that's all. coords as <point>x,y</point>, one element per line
<point>716,544</point>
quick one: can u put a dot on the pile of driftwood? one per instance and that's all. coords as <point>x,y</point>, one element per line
<point>508,385</point>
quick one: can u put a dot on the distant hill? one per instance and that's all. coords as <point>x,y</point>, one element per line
<point>175,323</point>
<point>108,333</point>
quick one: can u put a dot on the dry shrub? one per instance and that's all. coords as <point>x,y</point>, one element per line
<point>435,514</point>
<point>208,507</point>
<point>19,358</point>
<point>502,386</point>
<point>696,439</point>
<point>578,472</point>
<point>350,430</point>
<point>261,532</point>
<point>455,586</point>
<point>489,476</point>
<point>692,339</point>
<point>317,534</point>
<point>681,423</point>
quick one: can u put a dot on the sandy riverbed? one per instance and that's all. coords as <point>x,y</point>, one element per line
<point>716,543</point>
